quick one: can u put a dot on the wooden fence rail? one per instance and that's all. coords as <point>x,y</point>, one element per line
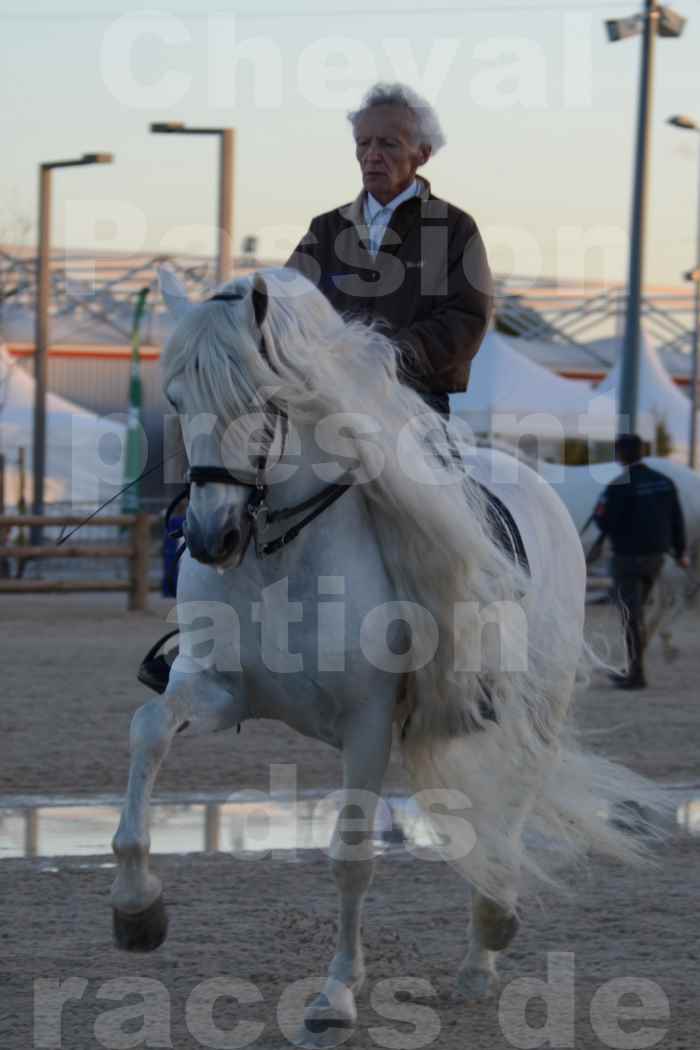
<point>137,550</point>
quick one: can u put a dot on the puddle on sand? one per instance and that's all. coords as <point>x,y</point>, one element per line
<point>246,826</point>
<point>79,827</point>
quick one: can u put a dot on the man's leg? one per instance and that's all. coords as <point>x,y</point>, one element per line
<point>648,569</point>
<point>629,595</point>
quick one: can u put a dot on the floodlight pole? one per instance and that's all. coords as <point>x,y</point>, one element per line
<point>628,394</point>
<point>41,325</point>
<point>41,343</point>
<point>688,124</point>
<point>225,249</point>
<point>693,432</point>
<point>226,136</point>
<point>694,276</point>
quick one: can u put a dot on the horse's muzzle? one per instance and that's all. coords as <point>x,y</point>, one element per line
<point>220,542</point>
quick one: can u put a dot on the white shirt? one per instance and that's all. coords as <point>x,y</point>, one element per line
<point>377,216</point>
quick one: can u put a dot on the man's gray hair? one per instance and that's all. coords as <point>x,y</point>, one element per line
<point>428,130</point>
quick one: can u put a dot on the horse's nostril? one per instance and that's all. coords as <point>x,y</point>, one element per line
<point>231,539</point>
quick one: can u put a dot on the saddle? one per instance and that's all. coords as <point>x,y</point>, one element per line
<point>505,531</point>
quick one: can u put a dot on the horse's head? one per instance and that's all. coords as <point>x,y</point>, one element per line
<point>218,524</point>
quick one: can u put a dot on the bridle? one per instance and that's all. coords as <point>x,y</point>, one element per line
<point>257,510</point>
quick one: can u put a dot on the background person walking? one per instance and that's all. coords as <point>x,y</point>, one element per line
<point>641,515</point>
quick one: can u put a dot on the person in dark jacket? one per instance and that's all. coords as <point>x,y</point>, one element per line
<point>400,255</point>
<point>641,515</point>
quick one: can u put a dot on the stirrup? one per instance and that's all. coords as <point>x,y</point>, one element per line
<point>154,670</point>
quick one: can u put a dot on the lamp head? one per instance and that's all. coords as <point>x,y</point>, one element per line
<point>167,127</point>
<point>622,28</point>
<point>670,22</point>
<point>684,122</point>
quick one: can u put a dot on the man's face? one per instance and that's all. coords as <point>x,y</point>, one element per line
<point>386,151</point>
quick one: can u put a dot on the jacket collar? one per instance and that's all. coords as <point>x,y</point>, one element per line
<point>355,211</point>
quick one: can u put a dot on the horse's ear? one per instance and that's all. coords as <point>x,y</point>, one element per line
<point>260,298</point>
<point>174,293</point>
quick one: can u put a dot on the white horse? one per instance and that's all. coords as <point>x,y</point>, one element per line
<point>580,488</point>
<point>395,604</point>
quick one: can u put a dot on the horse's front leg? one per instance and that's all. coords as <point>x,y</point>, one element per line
<point>366,746</point>
<point>197,704</point>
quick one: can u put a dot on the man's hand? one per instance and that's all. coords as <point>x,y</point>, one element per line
<point>683,562</point>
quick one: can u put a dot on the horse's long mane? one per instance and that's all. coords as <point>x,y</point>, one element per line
<point>436,541</point>
<point>435,538</point>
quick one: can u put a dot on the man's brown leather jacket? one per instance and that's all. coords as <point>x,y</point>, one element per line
<point>430,283</point>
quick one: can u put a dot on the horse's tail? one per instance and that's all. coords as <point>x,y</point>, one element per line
<point>498,812</point>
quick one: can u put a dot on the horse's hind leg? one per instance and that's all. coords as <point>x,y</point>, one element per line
<point>140,920</point>
<point>366,748</point>
<point>493,926</point>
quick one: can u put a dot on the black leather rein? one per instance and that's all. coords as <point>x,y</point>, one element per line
<point>258,511</point>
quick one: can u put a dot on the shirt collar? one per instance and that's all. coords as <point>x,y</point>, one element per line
<point>354,212</point>
<point>373,206</point>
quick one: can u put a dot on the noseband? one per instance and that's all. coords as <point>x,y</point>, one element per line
<point>257,509</point>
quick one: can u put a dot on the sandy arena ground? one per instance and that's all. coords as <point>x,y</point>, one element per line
<point>68,692</point>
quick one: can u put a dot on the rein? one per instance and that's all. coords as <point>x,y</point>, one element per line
<point>258,511</point>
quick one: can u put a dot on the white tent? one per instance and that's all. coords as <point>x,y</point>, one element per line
<point>511,396</point>
<point>659,397</point>
<point>84,453</point>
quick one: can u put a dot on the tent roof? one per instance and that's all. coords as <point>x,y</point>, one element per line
<point>505,386</point>
<point>76,469</point>
<point>658,395</point>
<point>17,392</point>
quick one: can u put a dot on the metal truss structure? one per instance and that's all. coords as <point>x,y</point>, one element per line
<point>92,299</point>
<point>92,296</point>
<point>574,317</point>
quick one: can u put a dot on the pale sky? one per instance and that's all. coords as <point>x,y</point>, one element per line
<point>539,111</point>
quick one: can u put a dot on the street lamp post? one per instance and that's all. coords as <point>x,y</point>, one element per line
<point>225,211</point>
<point>664,21</point>
<point>694,275</point>
<point>688,124</point>
<point>41,322</point>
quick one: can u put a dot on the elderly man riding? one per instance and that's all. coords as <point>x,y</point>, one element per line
<point>400,255</point>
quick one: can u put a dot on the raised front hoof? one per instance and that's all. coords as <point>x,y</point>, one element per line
<point>142,932</point>
<point>325,1025</point>
<point>477,985</point>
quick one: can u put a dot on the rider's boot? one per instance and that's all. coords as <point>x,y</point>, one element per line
<point>155,666</point>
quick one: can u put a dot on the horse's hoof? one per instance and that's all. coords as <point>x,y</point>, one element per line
<point>142,932</point>
<point>476,985</point>
<point>497,927</point>
<point>318,1035</point>
<point>325,1025</point>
